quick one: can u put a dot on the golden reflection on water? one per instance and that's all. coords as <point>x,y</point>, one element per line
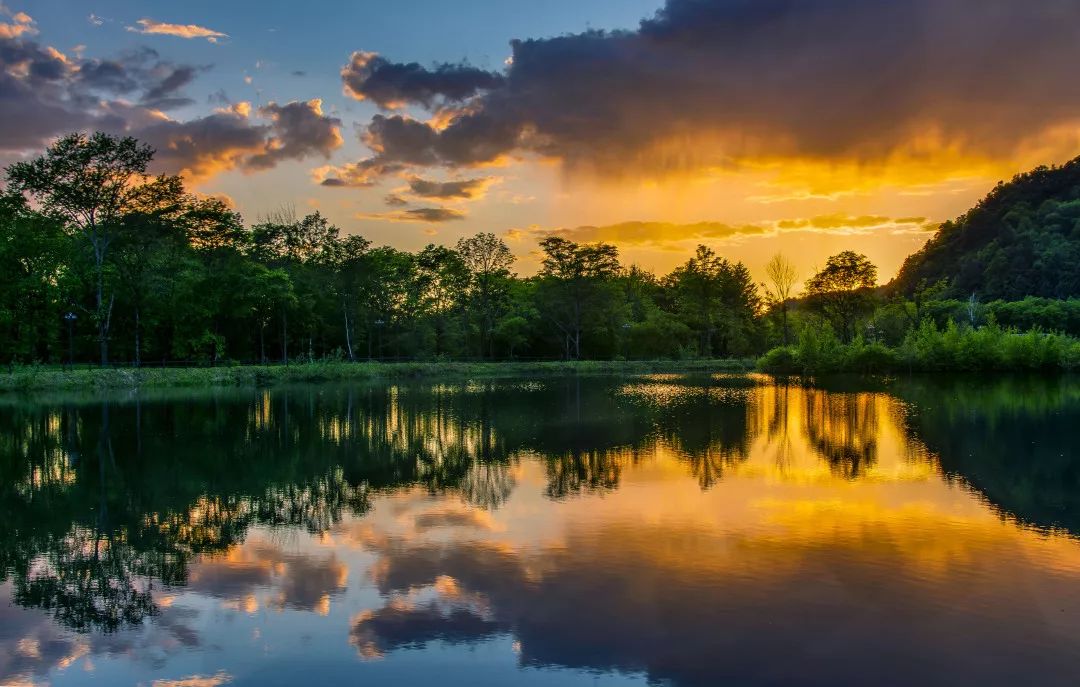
<point>831,507</point>
<point>786,515</point>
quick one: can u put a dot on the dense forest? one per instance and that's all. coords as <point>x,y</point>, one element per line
<point>102,262</point>
<point>1022,240</point>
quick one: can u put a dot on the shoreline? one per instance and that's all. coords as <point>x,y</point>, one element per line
<point>35,379</point>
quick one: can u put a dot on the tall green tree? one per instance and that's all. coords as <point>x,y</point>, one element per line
<point>841,291</point>
<point>445,278</point>
<point>488,260</point>
<point>577,287</point>
<point>90,183</point>
<point>718,300</point>
<point>34,265</point>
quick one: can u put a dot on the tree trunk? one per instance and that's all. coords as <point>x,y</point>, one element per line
<point>138,357</point>
<point>348,337</point>
<point>103,331</point>
<point>284,337</point>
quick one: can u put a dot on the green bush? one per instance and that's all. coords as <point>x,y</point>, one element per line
<point>928,348</point>
<point>860,356</point>
<point>781,360</point>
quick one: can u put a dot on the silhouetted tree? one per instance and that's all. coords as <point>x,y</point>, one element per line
<point>841,291</point>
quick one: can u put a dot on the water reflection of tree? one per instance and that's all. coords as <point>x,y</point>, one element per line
<point>1011,438</point>
<point>843,428</point>
<point>109,502</point>
<point>487,485</point>
<point>774,420</point>
<point>708,427</point>
<point>585,471</point>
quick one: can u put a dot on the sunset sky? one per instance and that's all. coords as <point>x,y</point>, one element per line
<point>754,126</point>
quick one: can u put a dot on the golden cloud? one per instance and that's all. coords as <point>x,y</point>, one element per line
<point>190,31</point>
<point>22,24</point>
<point>676,236</point>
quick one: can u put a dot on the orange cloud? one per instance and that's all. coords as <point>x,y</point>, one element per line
<point>21,24</point>
<point>190,31</point>
<point>677,236</point>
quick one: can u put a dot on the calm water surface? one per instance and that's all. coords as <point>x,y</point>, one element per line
<point>657,530</point>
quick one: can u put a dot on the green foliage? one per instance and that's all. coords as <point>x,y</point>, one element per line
<point>928,348</point>
<point>841,290</point>
<point>152,274</point>
<point>781,360</point>
<point>718,301</point>
<point>1022,240</point>
<point>1044,313</point>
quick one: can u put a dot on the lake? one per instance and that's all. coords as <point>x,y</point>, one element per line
<point>665,530</point>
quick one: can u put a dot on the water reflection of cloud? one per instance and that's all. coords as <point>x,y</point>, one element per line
<point>452,518</point>
<point>215,680</point>
<point>258,568</point>
<point>815,522</point>
<point>32,644</point>
<point>850,600</point>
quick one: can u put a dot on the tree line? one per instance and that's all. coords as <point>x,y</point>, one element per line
<point>102,262</point>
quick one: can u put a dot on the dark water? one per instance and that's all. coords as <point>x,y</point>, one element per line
<point>655,530</point>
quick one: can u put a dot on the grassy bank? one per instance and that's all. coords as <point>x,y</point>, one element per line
<point>929,349</point>
<point>32,378</point>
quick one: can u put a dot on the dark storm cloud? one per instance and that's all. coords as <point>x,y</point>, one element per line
<point>402,139</point>
<point>35,97</point>
<point>432,215</point>
<point>715,82</point>
<point>369,76</point>
<point>157,82</point>
<point>299,130</point>
<point>461,188</point>
<point>172,80</point>
<point>228,140</point>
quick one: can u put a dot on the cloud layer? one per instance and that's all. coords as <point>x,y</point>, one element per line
<point>45,93</point>
<point>673,236</point>
<point>709,83</point>
<point>369,76</point>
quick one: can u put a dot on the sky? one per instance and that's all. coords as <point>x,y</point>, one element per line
<point>805,127</point>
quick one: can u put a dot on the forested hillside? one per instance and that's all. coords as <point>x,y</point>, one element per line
<point>1022,240</point>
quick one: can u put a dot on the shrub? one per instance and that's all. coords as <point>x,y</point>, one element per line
<point>781,360</point>
<point>860,356</point>
<point>928,348</point>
